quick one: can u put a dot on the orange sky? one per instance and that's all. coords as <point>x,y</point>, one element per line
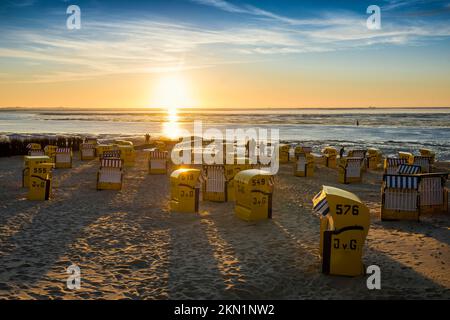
<point>237,87</point>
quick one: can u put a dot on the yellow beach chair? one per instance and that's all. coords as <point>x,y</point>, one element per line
<point>110,174</point>
<point>433,193</point>
<point>350,170</point>
<point>254,189</point>
<point>301,149</point>
<point>231,170</point>
<point>157,162</point>
<point>215,184</point>
<point>400,197</point>
<point>405,155</point>
<point>50,151</point>
<point>330,154</point>
<point>304,167</point>
<point>30,163</point>
<point>87,151</point>
<point>344,225</point>
<point>374,157</point>
<point>41,182</point>
<point>184,190</point>
<point>284,153</point>
<point>34,149</point>
<point>127,154</point>
<point>123,142</point>
<point>91,140</point>
<point>428,153</point>
<point>101,148</point>
<point>63,158</point>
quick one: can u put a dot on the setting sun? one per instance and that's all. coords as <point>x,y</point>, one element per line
<point>172,92</point>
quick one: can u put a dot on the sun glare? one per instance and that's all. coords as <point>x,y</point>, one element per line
<point>172,93</point>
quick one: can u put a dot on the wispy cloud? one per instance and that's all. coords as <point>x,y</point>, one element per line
<point>255,11</point>
<point>20,3</point>
<point>112,46</point>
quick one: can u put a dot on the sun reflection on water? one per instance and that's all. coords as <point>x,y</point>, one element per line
<point>171,128</point>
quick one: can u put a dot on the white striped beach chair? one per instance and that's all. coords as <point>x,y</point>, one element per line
<point>400,197</point>
<point>433,193</point>
<point>359,153</point>
<point>63,158</point>
<point>110,174</point>
<point>350,170</point>
<point>157,162</point>
<point>391,164</point>
<point>87,151</point>
<point>214,183</point>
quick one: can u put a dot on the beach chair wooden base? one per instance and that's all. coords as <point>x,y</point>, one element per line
<point>63,165</point>
<point>215,196</point>
<point>397,215</point>
<point>442,207</point>
<point>109,186</point>
<point>343,178</point>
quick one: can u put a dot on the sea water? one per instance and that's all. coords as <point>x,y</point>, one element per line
<point>388,129</point>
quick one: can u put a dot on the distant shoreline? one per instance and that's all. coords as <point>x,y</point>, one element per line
<point>215,108</point>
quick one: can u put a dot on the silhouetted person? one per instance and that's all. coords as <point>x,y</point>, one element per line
<point>341,152</point>
<point>147,138</point>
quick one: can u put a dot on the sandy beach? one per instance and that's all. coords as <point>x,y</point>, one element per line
<point>129,246</point>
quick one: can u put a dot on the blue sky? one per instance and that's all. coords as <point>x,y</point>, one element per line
<point>144,37</point>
